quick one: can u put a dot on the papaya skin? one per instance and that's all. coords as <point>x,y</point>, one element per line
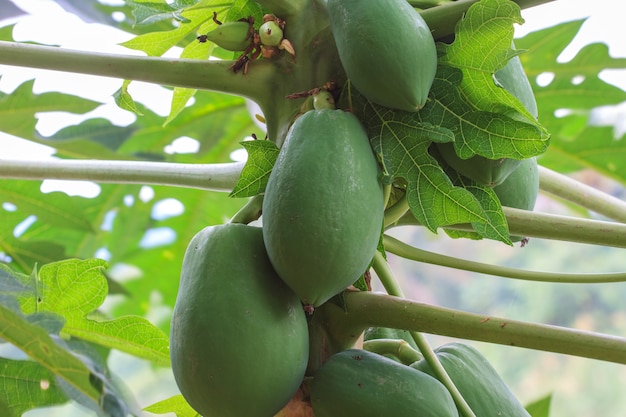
<point>386,49</point>
<point>521,188</point>
<point>239,341</point>
<point>358,383</point>
<point>479,383</point>
<point>323,205</point>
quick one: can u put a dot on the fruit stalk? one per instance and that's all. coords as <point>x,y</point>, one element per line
<point>403,250</point>
<point>380,310</point>
<point>581,194</point>
<point>385,274</point>
<point>551,226</point>
<point>215,177</point>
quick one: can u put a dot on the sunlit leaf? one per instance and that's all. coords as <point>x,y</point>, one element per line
<point>40,347</point>
<point>74,289</point>
<point>540,407</point>
<point>175,404</point>
<point>262,155</point>
<point>27,385</point>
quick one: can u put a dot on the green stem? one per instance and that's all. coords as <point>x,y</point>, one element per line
<point>394,347</point>
<point>551,226</point>
<point>189,73</point>
<point>379,310</point>
<point>395,212</point>
<point>216,177</point>
<point>581,194</point>
<point>385,274</point>
<point>403,250</point>
<point>250,212</point>
<point>442,19</point>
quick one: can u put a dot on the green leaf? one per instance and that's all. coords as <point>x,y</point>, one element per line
<point>40,347</point>
<point>191,18</point>
<point>576,90</point>
<point>74,289</point>
<point>124,100</point>
<point>57,208</point>
<point>478,132</point>
<point>9,281</point>
<point>487,26</point>
<point>97,134</point>
<point>175,404</point>
<point>27,385</point>
<point>540,407</point>
<point>262,155</point>
<point>18,109</point>
<point>402,144</point>
<point>486,119</point>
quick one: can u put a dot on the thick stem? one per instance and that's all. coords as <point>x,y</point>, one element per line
<point>216,177</point>
<point>442,19</point>
<point>379,310</point>
<point>403,250</point>
<point>581,194</point>
<point>189,73</point>
<point>551,226</point>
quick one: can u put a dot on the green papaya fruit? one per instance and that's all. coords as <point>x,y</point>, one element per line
<point>386,49</point>
<point>477,381</point>
<point>492,172</point>
<point>520,189</point>
<point>239,341</point>
<point>357,383</point>
<point>323,205</point>
<point>232,36</point>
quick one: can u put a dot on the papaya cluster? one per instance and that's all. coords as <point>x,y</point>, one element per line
<point>239,333</point>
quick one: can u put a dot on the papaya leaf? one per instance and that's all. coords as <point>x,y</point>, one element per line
<point>402,142</point>
<point>18,109</point>
<point>124,100</point>
<point>193,50</point>
<point>488,26</point>
<point>9,281</point>
<point>99,134</point>
<point>58,209</point>
<point>73,289</point>
<point>492,135</point>
<point>190,16</point>
<point>577,91</point>
<point>540,407</point>
<point>262,155</point>
<point>497,228</point>
<point>176,404</point>
<point>43,349</point>
<point>27,385</point>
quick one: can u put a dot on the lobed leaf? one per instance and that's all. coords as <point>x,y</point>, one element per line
<point>74,289</point>
<point>577,92</point>
<point>40,347</point>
